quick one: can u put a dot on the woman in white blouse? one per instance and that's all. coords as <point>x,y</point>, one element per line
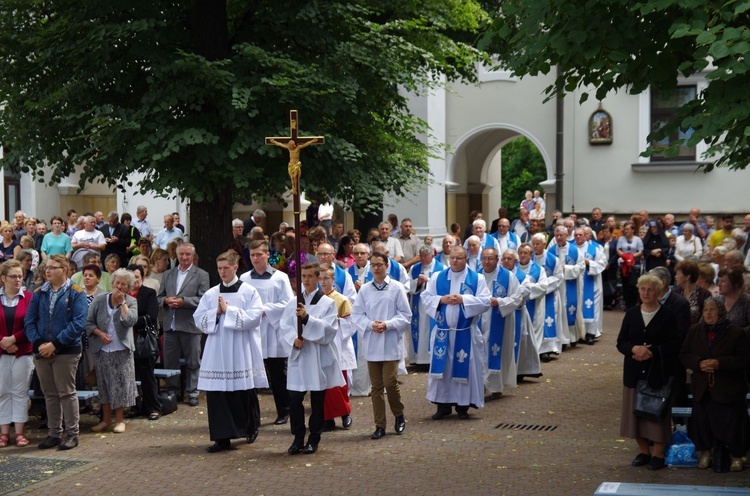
<point>688,245</point>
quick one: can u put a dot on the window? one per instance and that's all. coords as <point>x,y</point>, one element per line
<point>663,109</point>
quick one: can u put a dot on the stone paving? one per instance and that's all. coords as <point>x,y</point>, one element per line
<point>579,396</point>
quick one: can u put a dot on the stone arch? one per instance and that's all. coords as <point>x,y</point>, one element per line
<point>473,171</point>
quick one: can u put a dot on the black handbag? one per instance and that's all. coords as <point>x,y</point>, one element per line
<point>653,403</point>
<point>147,340</point>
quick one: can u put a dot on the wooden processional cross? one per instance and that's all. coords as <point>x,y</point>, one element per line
<point>293,144</point>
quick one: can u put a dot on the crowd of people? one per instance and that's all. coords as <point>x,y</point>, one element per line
<point>479,313</point>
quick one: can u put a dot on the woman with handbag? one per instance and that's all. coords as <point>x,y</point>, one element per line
<point>146,343</point>
<point>650,342</point>
<point>110,329</point>
<point>718,353</point>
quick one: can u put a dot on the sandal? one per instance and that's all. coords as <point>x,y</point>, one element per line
<point>4,439</point>
<point>21,440</point>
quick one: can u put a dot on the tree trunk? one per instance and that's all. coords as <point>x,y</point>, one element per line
<point>211,230</point>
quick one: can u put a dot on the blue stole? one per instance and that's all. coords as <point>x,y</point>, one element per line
<point>462,343</point>
<point>588,285</point>
<point>500,287</point>
<point>339,278</point>
<point>353,272</point>
<point>550,316</point>
<point>416,269</point>
<point>520,275</point>
<point>571,285</point>
<point>394,270</point>
<point>534,272</point>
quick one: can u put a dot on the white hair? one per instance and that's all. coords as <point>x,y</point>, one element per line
<point>479,222</point>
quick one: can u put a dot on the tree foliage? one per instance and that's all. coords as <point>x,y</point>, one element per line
<point>185,91</point>
<point>614,44</point>
<point>523,169</point>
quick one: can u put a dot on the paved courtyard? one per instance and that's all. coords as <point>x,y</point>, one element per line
<point>567,444</point>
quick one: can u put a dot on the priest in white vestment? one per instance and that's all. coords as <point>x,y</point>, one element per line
<point>554,312</point>
<point>592,305</point>
<point>498,324</point>
<point>232,364</point>
<point>419,339</point>
<point>571,289</point>
<point>533,281</point>
<point>455,298</point>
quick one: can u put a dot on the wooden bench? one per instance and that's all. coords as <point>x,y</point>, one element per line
<point>82,395</point>
<point>629,489</point>
<point>164,373</point>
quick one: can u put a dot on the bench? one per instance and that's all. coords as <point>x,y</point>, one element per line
<point>164,373</point>
<point>82,395</point>
<point>629,489</point>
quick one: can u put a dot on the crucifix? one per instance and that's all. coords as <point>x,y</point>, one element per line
<point>293,144</point>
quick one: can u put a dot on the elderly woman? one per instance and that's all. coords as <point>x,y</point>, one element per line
<point>688,245</point>
<point>736,301</point>
<point>109,326</point>
<point>686,277</point>
<point>25,258</point>
<point>148,311</point>
<point>718,352</point>
<point>649,340</point>
<point>144,263</point>
<point>112,263</point>
<point>27,244</point>
<point>15,355</point>
<point>655,246</point>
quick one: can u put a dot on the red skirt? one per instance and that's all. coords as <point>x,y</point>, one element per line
<point>337,402</point>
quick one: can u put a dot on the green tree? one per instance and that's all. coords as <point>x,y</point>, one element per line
<point>185,92</point>
<point>523,169</point>
<point>613,45</point>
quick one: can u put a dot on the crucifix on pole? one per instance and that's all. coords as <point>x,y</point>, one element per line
<point>293,144</point>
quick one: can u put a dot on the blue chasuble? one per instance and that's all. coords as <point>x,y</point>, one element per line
<point>571,285</point>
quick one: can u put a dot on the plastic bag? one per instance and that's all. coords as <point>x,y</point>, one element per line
<point>681,451</point>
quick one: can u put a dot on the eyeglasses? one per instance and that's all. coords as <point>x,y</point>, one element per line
<point>51,267</point>
<point>15,277</point>
<point>377,265</point>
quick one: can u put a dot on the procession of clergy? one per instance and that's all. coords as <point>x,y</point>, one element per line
<point>482,316</point>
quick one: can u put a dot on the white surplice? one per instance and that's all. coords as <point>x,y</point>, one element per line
<point>314,367</point>
<point>596,267</point>
<point>275,293</point>
<point>389,305</point>
<point>232,358</point>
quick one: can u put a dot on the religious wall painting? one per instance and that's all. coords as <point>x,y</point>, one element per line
<point>600,127</point>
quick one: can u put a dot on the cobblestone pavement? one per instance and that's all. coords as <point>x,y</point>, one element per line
<point>579,396</point>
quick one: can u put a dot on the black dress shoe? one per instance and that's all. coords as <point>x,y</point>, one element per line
<point>69,443</point>
<point>641,460</point>
<point>50,442</point>
<point>281,419</point>
<point>545,357</point>
<point>378,434</point>
<point>329,425</point>
<point>573,344</point>
<point>656,463</point>
<point>193,401</point>
<point>295,448</point>
<point>463,415</point>
<point>589,339</point>
<point>346,421</point>
<point>400,424</point>
<point>440,414</point>
<point>220,445</point>
<point>309,449</point>
<point>252,437</point>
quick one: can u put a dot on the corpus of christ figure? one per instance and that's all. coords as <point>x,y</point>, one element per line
<point>294,144</point>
